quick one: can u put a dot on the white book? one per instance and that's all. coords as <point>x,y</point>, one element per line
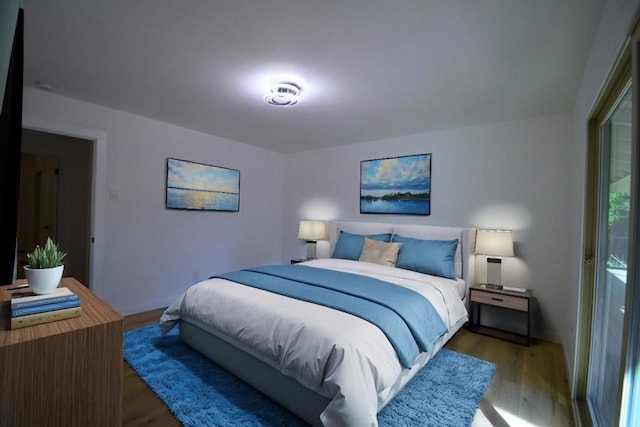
<point>30,297</point>
<point>508,288</point>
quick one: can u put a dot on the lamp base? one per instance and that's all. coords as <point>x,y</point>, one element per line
<point>494,271</point>
<point>311,250</point>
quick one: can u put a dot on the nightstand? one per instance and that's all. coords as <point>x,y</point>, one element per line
<point>517,301</point>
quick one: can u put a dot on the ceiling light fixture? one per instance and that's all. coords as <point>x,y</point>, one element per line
<point>283,95</point>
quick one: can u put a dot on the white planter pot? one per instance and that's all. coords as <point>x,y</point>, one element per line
<point>43,280</point>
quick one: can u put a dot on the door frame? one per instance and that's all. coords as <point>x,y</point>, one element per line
<point>630,395</point>
<point>98,186</point>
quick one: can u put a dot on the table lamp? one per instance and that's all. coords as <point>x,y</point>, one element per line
<point>312,231</point>
<point>495,244</point>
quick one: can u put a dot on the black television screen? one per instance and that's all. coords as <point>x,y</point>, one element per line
<point>10,148</point>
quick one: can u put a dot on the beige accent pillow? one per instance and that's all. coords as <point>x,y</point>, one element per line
<point>380,252</point>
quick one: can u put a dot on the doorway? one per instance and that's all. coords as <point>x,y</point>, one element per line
<point>57,198</point>
<point>38,197</point>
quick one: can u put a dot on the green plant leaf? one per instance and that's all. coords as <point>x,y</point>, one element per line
<point>47,257</point>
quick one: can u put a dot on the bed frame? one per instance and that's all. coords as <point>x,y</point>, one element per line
<point>288,392</point>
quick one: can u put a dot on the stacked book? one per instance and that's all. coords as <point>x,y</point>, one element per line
<point>29,309</point>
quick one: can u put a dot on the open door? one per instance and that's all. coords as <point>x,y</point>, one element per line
<point>37,204</point>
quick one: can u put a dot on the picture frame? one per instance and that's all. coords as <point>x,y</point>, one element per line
<point>198,186</point>
<point>396,185</point>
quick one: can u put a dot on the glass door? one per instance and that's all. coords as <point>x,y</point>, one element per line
<point>605,361</point>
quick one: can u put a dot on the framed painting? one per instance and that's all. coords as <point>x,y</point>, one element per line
<point>196,186</point>
<point>396,185</point>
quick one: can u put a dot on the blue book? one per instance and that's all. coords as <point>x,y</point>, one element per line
<point>25,300</point>
<point>17,312</point>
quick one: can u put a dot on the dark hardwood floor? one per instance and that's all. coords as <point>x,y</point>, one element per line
<point>529,388</point>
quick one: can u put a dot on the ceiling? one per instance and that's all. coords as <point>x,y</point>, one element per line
<point>368,69</point>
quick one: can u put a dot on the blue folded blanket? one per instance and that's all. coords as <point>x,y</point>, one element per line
<point>407,318</point>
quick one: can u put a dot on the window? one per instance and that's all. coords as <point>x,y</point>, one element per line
<point>608,381</point>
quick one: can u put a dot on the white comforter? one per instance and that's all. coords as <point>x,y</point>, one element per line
<point>335,354</point>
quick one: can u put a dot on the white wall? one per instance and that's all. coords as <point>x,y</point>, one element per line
<point>150,254</point>
<point>503,175</point>
<point>615,25</point>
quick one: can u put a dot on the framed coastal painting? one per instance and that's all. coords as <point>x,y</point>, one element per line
<point>196,186</point>
<point>396,185</point>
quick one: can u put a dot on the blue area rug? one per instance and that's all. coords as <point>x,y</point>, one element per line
<point>199,393</point>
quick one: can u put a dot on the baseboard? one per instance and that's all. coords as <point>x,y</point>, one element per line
<point>577,419</point>
<point>147,306</point>
<point>581,414</point>
<point>578,415</point>
<point>553,337</point>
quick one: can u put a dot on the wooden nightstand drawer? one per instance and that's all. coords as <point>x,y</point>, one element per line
<point>481,297</point>
<point>500,300</point>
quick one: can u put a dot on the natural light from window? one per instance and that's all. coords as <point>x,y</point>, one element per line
<point>511,419</point>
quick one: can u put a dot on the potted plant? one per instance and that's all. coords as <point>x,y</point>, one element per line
<point>44,271</point>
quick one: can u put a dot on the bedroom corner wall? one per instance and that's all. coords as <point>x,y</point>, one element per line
<point>502,175</point>
<point>615,25</point>
<point>150,254</point>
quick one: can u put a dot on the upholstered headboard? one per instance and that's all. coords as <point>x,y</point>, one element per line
<point>464,259</point>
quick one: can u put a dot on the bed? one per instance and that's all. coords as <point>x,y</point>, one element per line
<point>327,366</point>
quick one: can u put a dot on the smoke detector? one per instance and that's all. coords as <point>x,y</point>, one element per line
<point>44,86</point>
<point>283,95</point>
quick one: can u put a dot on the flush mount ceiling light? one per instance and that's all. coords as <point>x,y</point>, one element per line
<point>283,95</point>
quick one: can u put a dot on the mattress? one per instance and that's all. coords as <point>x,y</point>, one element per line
<point>334,354</point>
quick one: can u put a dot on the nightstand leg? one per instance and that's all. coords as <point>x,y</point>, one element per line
<point>529,324</point>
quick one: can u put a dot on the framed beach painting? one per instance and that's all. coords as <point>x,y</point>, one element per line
<point>196,186</point>
<point>396,185</point>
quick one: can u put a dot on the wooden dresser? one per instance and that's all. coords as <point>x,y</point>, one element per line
<point>63,373</point>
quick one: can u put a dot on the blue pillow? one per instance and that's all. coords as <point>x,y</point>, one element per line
<point>349,246</point>
<point>434,257</point>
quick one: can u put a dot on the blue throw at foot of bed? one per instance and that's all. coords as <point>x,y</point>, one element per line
<point>407,318</point>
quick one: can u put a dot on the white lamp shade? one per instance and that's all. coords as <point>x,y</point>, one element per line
<point>312,231</point>
<point>494,243</point>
